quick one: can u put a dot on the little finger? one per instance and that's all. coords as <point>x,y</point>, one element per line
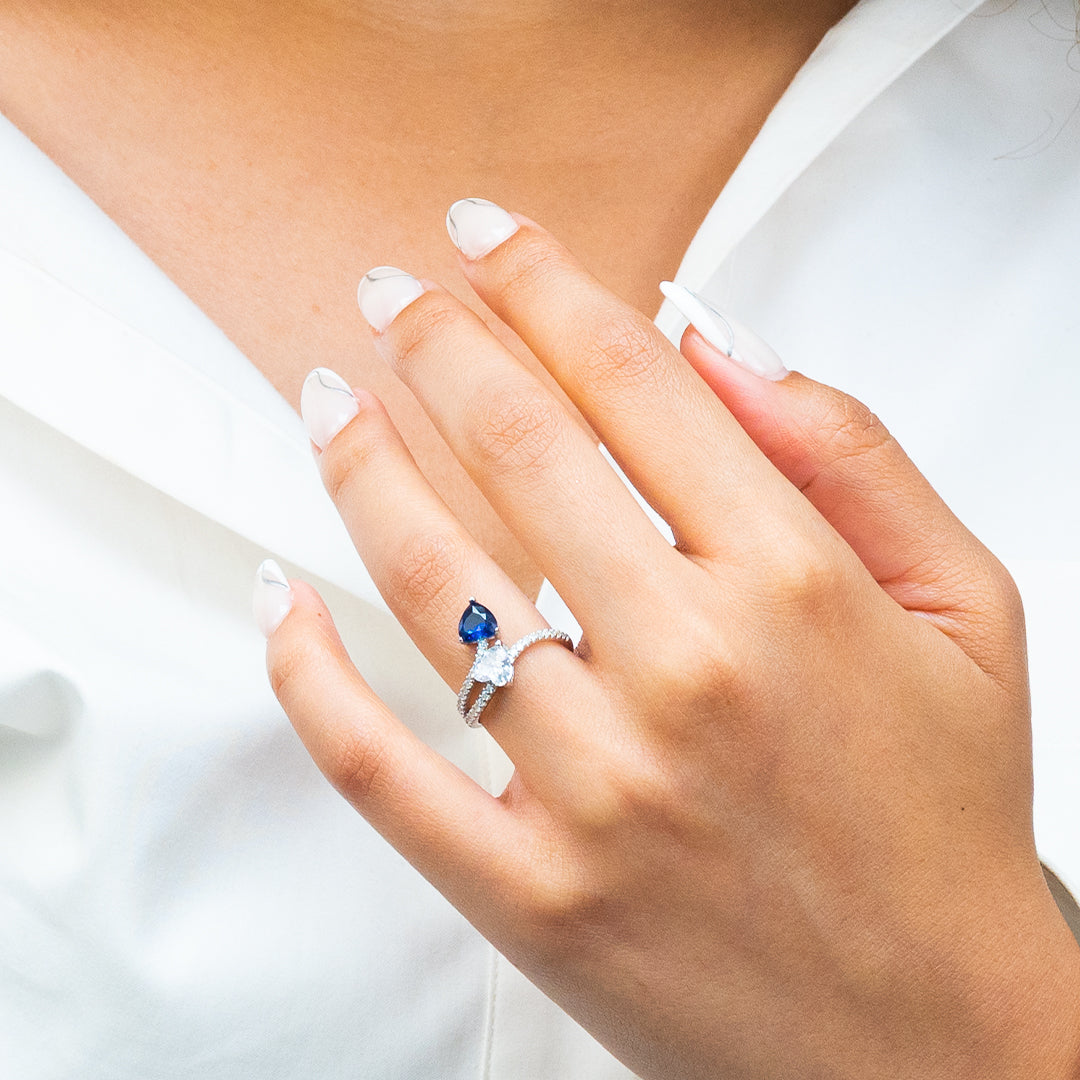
<point>457,835</point>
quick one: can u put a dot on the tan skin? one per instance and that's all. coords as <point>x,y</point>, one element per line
<point>266,155</point>
<point>793,838</point>
<point>849,886</point>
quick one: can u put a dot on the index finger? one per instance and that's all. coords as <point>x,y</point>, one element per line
<point>672,436</point>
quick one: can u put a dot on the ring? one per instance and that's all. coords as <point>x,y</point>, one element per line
<point>493,665</point>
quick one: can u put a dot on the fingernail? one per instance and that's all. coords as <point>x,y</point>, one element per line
<point>383,293</point>
<point>327,404</point>
<point>733,339</point>
<point>272,598</point>
<point>477,226</point>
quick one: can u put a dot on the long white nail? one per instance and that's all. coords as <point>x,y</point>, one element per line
<point>477,226</point>
<point>327,404</point>
<point>272,599</point>
<point>384,292</point>
<point>733,339</point>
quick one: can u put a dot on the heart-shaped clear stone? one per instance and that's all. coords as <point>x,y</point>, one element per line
<point>493,666</point>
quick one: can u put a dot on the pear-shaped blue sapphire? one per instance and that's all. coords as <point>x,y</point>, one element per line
<point>477,624</point>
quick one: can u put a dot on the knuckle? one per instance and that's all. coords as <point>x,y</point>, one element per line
<point>1006,593</point>
<point>699,634</point>
<point>422,331</point>
<point>564,907</point>
<point>806,581</point>
<point>516,428</point>
<point>637,791</point>
<point>625,351</point>
<point>337,473</point>
<point>848,429</point>
<point>291,668</point>
<point>350,452</point>
<point>358,765</point>
<point>697,641</point>
<point>427,566</point>
<point>531,268</point>
<point>703,648</point>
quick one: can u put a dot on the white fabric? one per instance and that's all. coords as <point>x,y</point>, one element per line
<point>180,892</point>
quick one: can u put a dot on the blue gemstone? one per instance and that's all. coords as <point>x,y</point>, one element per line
<point>477,624</point>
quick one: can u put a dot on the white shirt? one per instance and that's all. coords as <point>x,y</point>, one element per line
<point>180,892</point>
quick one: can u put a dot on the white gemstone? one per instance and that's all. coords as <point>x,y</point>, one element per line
<point>493,666</point>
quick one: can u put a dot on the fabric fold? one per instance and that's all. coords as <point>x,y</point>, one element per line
<point>138,406</point>
<point>873,45</point>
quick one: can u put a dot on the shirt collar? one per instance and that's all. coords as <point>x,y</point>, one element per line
<point>121,395</point>
<point>856,61</point>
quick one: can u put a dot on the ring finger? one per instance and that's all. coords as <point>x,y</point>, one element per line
<point>427,567</point>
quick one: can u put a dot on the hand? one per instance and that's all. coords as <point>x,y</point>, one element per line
<point>773,817</point>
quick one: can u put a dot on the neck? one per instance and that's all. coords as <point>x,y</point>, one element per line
<point>502,79</point>
<point>474,24</point>
<point>449,74</point>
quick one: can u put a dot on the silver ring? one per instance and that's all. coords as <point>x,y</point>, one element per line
<point>493,665</point>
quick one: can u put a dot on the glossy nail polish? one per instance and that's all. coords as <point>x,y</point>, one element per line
<point>272,599</point>
<point>384,293</point>
<point>477,226</point>
<point>327,404</point>
<point>733,339</point>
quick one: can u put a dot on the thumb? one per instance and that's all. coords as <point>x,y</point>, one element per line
<point>851,469</point>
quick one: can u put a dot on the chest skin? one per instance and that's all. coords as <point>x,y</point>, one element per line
<point>266,164</point>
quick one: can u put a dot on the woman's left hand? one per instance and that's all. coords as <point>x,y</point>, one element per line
<point>773,816</point>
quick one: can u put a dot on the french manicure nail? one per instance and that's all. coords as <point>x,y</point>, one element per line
<point>383,293</point>
<point>733,339</point>
<point>477,226</point>
<point>272,599</point>
<point>327,404</point>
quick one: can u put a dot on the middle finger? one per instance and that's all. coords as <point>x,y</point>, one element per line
<point>543,474</point>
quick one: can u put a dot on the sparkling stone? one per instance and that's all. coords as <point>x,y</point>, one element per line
<point>494,666</point>
<point>477,624</point>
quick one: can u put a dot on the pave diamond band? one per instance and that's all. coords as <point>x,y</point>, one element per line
<point>493,665</point>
